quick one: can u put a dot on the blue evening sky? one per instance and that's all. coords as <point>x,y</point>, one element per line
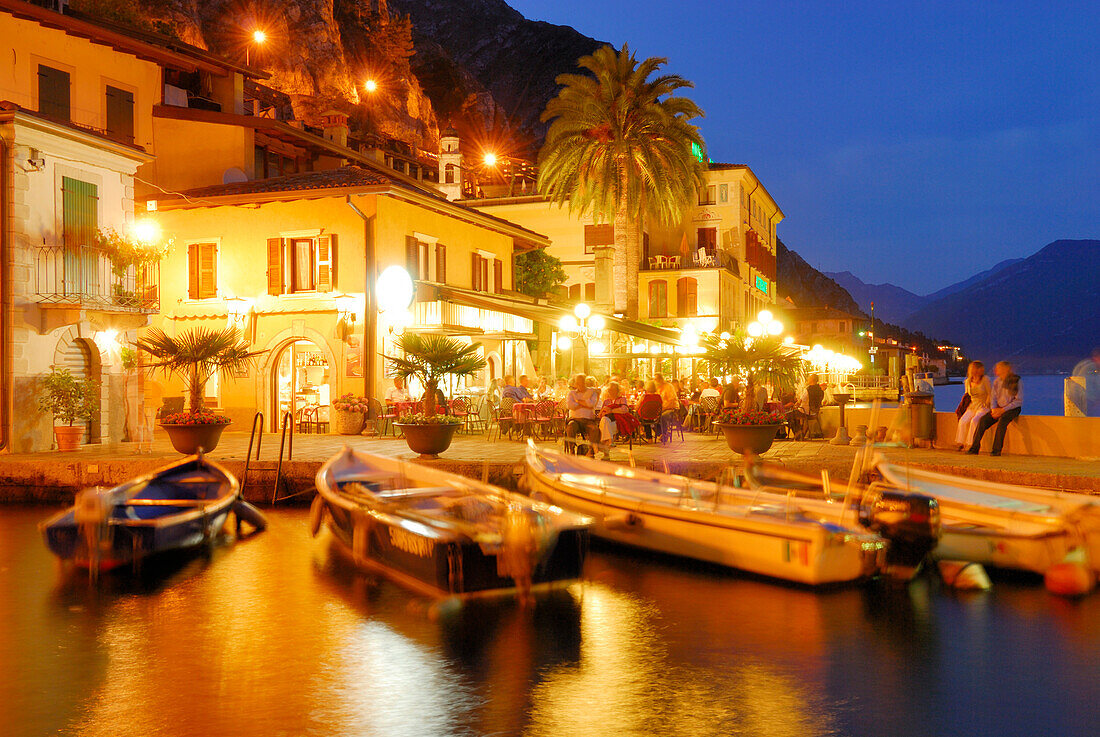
<point>915,143</point>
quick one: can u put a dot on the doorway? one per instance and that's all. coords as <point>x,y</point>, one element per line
<point>301,383</point>
<point>77,357</point>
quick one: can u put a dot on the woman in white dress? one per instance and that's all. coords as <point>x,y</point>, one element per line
<point>978,388</point>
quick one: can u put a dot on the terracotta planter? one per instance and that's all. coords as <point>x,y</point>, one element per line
<point>428,440</point>
<point>188,439</point>
<point>749,438</point>
<point>68,436</point>
<point>347,423</point>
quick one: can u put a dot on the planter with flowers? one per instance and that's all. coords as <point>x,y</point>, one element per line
<point>69,400</point>
<point>195,356</point>
<point>348,414</point>
<point>432,358</point>
<point>749,431</point>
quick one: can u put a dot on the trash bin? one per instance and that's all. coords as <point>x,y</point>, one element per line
<point>922,417</point>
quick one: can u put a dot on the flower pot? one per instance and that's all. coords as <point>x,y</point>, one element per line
<point>746,439</point>
<point>68,436</point>
<point>345,422</point>
<point>428,440</point>
<point>189,439</point>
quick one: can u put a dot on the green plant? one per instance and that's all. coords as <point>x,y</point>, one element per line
<point>432,358</point>
<point>67,397</point>
<point>765,359</point>
<point>425,419</point>
<point>125,251</point>
<point>737,416</point>
<point>621,146</point>
<point>538,273</point>
<point>195,356</point>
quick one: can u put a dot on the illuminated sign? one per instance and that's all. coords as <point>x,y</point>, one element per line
<point>762,284</point>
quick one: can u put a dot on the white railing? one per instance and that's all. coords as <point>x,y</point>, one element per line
<point>448,314</point>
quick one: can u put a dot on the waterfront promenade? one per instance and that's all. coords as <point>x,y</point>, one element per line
<point>53,476</point>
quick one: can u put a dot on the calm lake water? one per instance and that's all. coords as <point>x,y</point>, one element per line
<point>276,636</point>
<point>1043,395</point>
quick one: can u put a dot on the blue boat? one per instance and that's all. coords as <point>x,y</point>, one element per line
<point>182,505</point>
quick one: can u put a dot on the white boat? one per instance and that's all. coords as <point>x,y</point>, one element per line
<point>685,517</point>
<point>442,534</point>
<point>1005,525</point>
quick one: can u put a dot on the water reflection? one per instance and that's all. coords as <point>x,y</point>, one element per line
<point>276,636</point>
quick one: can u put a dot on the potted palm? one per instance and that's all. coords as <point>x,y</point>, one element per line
<point>70,400</point>
<point>764,359</point>
<point>432,358</point>
<point>195,356</point>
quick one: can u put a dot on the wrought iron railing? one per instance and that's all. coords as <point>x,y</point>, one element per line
<point>82,276</point>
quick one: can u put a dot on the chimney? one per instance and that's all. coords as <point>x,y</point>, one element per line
<point>335,124</point>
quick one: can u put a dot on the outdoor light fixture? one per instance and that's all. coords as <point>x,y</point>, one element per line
<point>564,343</point>
<point>597,323</point>
<point>259,36</point>
<point>236,309</point>
<point>765,324</point>
<point>394,289</point>
<point>585,326</point>
<point>490,159</point>
<point>345,306</point>
<point>597,347</point>
<point>567,324</point>
<point>145,230</point>
<point>370,85</point>
<point>582,311</point>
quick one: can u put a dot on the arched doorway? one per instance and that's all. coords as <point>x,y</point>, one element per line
<point>301,383</point>
<point>79,357</point>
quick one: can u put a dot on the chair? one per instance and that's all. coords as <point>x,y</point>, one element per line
<point>673,423</point>
<point>503,421</point>
<point>460,409</point>
<point>674,262</point>
<point>708,409</point>
<point>649,414</point>
<point>378,417</point>
<point>480,411</point>
<point>544,416</point>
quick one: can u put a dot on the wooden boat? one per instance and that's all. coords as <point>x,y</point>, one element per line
<point>442,534</point>
<point>181,505</point>
<point>1005,525</point>
<point>696,519</point>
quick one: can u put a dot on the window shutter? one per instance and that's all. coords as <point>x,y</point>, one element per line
<point>275,268</point>
<point>53,92</point>
<point>120,114</point>
<point>412,257</point>
<point>440,263</point>
<point>475,272</point>
<point>193,271</point>
<point>208,271</point>
<point>326,263</point>
<point>498,276</point>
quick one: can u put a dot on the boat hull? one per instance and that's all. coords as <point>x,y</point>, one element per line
<point>810,553</point>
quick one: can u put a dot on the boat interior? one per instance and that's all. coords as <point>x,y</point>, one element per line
<point>189,488</point>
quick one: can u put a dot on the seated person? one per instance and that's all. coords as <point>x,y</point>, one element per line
<point>615,419</point>
<point>807,406</point>
<point>1006,403</point>
<point>582,402</point>
<point>397,392</point>
<point>511,391</point>
<point>711,390</point>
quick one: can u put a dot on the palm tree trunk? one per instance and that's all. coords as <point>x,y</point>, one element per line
<point>620,287</point>
<point>195,389</point>
<point>429,398</point>
<point>633,259</point>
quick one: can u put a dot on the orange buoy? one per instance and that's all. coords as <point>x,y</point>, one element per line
<point>1071,577</point>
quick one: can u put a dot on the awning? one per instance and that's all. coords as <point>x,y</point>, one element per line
<point>551,314</point>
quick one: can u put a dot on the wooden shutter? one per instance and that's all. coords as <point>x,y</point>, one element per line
<point>412,257</point>
<point>193,271</point>
<point>686,297</point>
<point>658,297</point>
<point>79,212</point>
<point>276,248</point>
<point>498,276</point>
<point>120,114</point>
<point>53,92</point>
<point>326,263</point>
<point>475,272</point>
<point>440,263</point>
<point>208,271</point>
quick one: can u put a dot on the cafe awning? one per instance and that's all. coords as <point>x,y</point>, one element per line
<point>539,311</point>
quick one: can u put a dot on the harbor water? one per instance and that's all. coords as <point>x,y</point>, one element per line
<point>1043,395</point>
<point>278,636</point>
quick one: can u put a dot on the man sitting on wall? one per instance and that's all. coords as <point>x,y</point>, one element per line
<point>1005,406</point>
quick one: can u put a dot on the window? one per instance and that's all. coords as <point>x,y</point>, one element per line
<point>598,235</point>
<point>449,174</point>
<point>301,264</point>
<point>658,298</point>
<point>202,271</point>
<point>706,196</point>
<point>498,276</point>
<point>120,114</point>
<point>575,292</point>
<point>80,212</point>
<point>707,238</point>
<point>480,273</point>
<point>687,301</point>
<point>53,92</point>
<point>723,193</point>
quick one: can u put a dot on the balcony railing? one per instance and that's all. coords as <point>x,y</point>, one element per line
<point>453,316</point>
<point>701,258</point>
<point>82,276</point>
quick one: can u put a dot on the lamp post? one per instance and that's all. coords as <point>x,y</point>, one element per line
<point>583,326</point>
<point>764,324</point>
<point>258,38</point>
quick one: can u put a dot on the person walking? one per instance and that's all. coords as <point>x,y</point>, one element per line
<point>977,388</point>
<point>1006,404</point>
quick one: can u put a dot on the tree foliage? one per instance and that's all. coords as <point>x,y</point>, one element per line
<point>196,355</point>
<point>432,358</point>
<point>764,360</point>
<point>68,398</point>
<point>538,273</point>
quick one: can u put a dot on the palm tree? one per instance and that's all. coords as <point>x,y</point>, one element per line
<point>196,355</point>
<point>621,147</point>
<point>765,359</point>
<point>431,358</point>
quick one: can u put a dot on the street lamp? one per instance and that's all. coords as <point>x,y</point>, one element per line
<point>584,326</point>
<point>765,324</point>
<point>258,38</point>
<point>370,86</point>
<point>490,159</point>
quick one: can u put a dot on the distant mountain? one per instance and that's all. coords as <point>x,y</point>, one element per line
<point>892,303</point>
<point>1042,312</point>
<point>959,286</point>
<point>805,286</point>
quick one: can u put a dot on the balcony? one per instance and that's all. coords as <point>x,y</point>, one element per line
<point>701,258</point>
<point>458,319</point>
<point>83,277</point>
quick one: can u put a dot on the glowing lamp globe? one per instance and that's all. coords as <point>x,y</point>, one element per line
<point>490,159</point>
<point>259,36</point>
<point>775,327</point>
<point>370,85</point>
<point>582,311</point>
<point>395,289</point>
<point>567,324</point>
<point>597,323</point>
<point>755,329</point>
<point>564,343</point>
<point>725,335</point>
<point>146,231</point>
<point>597,347</point>
<point>764,317</point>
